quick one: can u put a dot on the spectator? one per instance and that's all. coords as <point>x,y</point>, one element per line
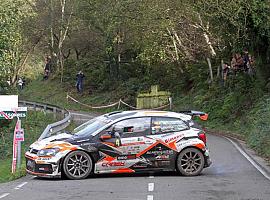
<point>233,63</point>
<point>24,81</point>
<point>79,84</point>
<point>246,61</point>
<point>20,83</point>
<point>47,68</point>
<point>225,70</point>
<point>251,69</point>
<point>239,65</point>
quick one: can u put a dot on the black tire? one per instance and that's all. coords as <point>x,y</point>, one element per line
<point>190,162</point>
<point>77,165</point>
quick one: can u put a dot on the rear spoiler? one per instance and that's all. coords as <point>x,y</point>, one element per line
<point>202,115</point>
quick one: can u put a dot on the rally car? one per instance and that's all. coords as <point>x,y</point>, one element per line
<point>123,142</point>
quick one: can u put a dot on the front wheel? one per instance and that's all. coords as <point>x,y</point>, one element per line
<point>190,162</point>
<point>77,165</point>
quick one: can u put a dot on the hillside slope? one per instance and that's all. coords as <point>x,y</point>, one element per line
<point>238,111</point>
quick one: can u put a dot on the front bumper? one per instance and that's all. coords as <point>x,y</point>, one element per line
<point>43,167</point>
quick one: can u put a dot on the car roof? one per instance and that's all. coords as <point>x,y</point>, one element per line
<point>143,113</point>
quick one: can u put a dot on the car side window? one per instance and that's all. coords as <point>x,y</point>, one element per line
<point>133,127</point>
<point>162,125</point>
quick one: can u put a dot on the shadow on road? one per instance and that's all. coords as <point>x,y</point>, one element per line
<point>134,175</point>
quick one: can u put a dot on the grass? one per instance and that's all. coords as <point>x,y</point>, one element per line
<point>33,125</point>
<point>55,93</point>
<point>5,171</point>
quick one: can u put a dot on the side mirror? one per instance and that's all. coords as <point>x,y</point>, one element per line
<point>105,136</point>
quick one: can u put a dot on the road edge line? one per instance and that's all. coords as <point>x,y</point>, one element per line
<point>4,195</point>
<point>251,160</point>
<point>20,186</point>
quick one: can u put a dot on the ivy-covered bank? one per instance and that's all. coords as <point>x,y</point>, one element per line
<point>241,110</point>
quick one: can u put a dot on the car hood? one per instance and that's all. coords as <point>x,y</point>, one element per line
<point>55,139</point>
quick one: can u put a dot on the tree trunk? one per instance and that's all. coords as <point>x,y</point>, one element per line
<point>18,69</point>
<point>210,69</point>
<point>218,69</point>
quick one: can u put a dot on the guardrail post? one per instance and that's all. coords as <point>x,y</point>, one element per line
<point>54,112</point>
<point>45,107</point>
<point>170,101</point>
<point>35,107</point>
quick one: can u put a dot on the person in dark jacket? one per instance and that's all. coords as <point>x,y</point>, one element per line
<point>47,67</point>
<point>79,84</point>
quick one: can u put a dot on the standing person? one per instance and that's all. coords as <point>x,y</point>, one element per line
<point>239,65</point>
<point>79,84</point>
<point>251,69</point>
<point>225,69</point>
<point>47,68</point>
<point>20,83</point>
<point>246,60</point>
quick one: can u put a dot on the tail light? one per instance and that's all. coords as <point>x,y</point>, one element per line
<point>202,136</point>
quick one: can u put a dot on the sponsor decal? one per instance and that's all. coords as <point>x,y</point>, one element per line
<point>43,158</point>
<point>126,157</point>
<point>44,168</point>
<point>173,138</point>
<point>118,142</point>
<point>140,165</point>
<point>113,164</point>
<point>168,152</point>
<point>127,150</point>
<point>133,143</point>
<point>162,157</point>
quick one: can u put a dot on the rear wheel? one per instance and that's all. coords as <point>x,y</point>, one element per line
<point>77,165</point>
<point>190,162</point>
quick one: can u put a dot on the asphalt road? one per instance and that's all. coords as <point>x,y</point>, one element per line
<point>230,177</point>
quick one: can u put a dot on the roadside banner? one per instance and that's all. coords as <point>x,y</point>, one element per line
<point>7,113</point>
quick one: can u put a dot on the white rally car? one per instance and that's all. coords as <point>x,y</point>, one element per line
<point>123,142</point>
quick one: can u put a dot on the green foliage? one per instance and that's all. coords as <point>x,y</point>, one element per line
<point>33,125</point>
<point>258,120</point>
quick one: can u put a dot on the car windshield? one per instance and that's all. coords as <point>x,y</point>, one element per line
<point>91,126</point>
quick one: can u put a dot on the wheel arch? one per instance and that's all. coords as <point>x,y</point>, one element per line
<point>191,146</point>
<point>63,158</point>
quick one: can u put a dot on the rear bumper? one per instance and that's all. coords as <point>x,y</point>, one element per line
<point>207,162</point>
<point>207,159</point>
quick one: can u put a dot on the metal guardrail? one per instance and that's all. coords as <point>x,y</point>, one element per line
<point>54,127</point>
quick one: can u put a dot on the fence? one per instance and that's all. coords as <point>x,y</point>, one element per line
<point>118,104</point>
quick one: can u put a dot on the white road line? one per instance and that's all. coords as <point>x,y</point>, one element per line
<point>4,195</point>
<point>20,186</point>
<point>150,197</point>
<point>261,170</point>
<point>151,187</point>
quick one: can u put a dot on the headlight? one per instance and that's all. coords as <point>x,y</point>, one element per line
<point>48,152</point>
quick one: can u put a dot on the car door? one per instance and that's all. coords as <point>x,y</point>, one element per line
<point>166,131</point>
<point>121,152</point>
